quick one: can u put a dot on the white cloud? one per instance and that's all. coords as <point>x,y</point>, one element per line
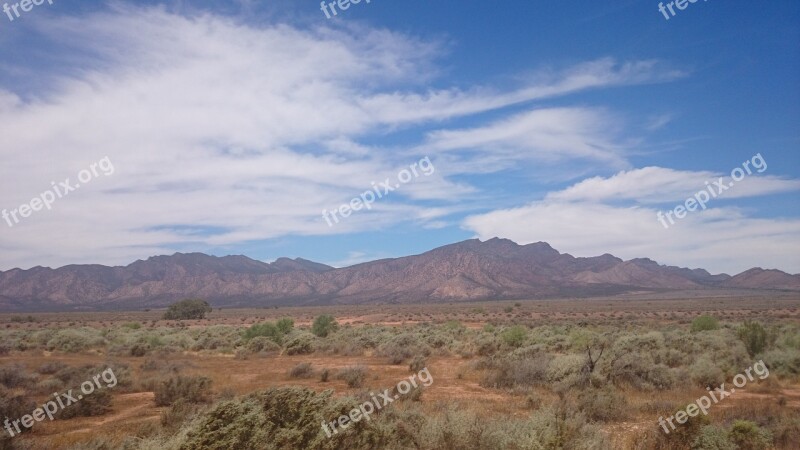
<point>247,132</point>
<point>548,135</point>
<point>659,185</point>
<point>582,220</point>
<point>442,104</point>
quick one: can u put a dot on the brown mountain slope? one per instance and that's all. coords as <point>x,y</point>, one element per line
<point>765,279</point>
<point>469,270</point>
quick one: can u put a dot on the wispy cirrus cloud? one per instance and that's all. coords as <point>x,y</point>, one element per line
<point>650,185</point>
<point>547,135</point>
<point>445,104</point>
<point>244,132</point>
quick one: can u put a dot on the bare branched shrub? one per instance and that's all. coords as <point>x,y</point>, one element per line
<point>354,376</point>
<point>302,370</point>
<point>509,373</point>
<point>418,363</point>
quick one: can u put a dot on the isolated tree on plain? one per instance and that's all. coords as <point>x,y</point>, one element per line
<point>187,310</point>
<point>594,345</point>
<point>324,325</point>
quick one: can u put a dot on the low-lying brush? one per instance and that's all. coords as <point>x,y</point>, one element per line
<point>353,376</point>
<point>190,389</point>
<point>302,370</point>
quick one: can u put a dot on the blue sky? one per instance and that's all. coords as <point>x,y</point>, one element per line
<point>231,126</point>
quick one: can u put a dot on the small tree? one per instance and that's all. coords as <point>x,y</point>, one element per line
<point>754,337</point>
<point>188,309</point>
<point>285,325</point>
<point>324,325</point>
<point>705,323</point>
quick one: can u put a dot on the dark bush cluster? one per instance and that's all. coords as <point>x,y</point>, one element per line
<point>192,389</point>
<point>95,404</point>
<point>324,325</point>
<point>189,309</point>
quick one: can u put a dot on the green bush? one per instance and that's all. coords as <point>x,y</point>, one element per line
<point>563,366</point>
<point>712,437</point>
<point>324,325</point>
<point>784,363</point>
<point>188,309</point>
<point>190,389</point>
<point>260,344</point>
<point>402,347</point>
<point>705,323</point>
<point>604,404</point>
<point>281,418</point>
<point>285,325</point>
<point>632,360</point>
<point>754,337</point>
<point>749,436</point>
<point>74,340</point>
<point>300,344</point>
<point>454,326</point>
<point>550,428</point>
<point>706,374</point>
<point>684,434</point>
<point>514,336</point>
<point>266,329</point>
<point>218,337</point>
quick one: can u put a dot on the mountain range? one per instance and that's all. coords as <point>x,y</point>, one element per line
<point>464,271</point>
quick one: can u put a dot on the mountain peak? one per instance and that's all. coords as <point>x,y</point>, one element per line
<point>500,241</point>
<point>469,270</point>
